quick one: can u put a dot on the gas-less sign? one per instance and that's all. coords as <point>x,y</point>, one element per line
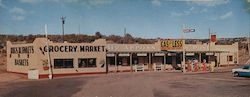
<point>171,44</point>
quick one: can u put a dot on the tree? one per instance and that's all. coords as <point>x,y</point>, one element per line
<point>98,35</point>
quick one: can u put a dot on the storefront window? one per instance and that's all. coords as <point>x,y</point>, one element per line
<point>63,63</point>
<point>88,62</point>
<point>123,61</point>
<point>111,61</point>
<point>230,58</point>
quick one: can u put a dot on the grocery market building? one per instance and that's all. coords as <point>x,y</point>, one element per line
<point>100,57</point>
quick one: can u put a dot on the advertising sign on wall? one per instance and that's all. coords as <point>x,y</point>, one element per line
<point>213,38</point>
<point>171,44</point>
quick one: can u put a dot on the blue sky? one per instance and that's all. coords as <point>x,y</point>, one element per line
<point>141,18</point>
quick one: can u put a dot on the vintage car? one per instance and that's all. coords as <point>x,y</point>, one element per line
<point>243,71</point>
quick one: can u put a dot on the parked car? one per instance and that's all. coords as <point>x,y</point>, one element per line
<point>243,71</point>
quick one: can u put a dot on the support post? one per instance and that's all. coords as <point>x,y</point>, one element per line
<point>164,61</point>
<point>131,66</point>
<point>200,57</point>
<point>149,60</point>
<point>116,67</point>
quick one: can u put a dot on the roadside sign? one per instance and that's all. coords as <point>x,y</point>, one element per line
<point>171,44</point>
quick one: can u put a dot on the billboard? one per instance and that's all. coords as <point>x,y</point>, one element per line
<point>213,38</point>
<point>171,44</point>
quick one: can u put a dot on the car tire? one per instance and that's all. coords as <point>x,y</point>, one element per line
<point>236,74</point>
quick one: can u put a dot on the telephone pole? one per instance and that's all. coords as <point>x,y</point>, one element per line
<point>63,22</point>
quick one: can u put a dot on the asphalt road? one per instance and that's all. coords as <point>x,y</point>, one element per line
<point>140,84</point>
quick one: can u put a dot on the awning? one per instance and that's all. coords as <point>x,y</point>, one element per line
<point>142,54</point>
<point>110,55</point>
<point>189,54</point>
<point>123,55</point>
<point>159,54</point>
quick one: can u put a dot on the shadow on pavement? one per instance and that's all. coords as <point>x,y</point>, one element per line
<point>65,87</point>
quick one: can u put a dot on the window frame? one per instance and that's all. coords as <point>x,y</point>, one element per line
<point>64,65</point>
<point>87,63</point>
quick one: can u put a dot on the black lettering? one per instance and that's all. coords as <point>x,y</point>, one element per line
<point>81,48</point>
<point>12,50</point>
<point>66,48</point>
<point>87,48</point>
<point>45,49</point>
<point>103,48</point>
<point>51,49</point>
<point>22,62</point>
<point>19,49</point>
<point>32,49</point>
<point>75,48</point>
<point>95,48</point>
<point>56,48</point>
<point>61,48</point>
<point>98,48</point>
<point>91,48</point>
<point>70,49</point>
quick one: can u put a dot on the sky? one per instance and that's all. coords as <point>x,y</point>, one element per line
<point>141,18</point>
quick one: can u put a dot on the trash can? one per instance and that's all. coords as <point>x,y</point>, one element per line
<point>33,74</point>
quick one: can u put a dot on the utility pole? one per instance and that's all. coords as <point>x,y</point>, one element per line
<point>48,53</point>
<point>63,22</point>
<point>209,42</point>
<point>124,39</point>
<point>183,50</point>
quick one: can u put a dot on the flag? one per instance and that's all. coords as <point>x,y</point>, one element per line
<point>188,30</point>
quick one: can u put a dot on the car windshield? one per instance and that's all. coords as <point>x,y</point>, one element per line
<point>246,67</point>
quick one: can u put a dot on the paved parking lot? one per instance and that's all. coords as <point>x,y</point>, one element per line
<point>140,84</point>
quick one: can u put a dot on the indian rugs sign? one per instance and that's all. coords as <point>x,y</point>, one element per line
<point>171,44</point>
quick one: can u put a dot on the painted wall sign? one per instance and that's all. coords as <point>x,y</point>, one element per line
<point>20,50</point>
<point>22,62</point>
<point>171,44</point>
<point>131,47</point>
<point>66,48</point>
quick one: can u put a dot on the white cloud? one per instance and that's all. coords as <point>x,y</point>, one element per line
<point>223,16</point>
<point>226,15</point>
<point>203,10</point>
<point>156,2</point>
<point>17,10</point>
<point>99,2</point>
<point>87,3</point>
<point>30,1</point>
<point>209,3</point>
<point>190,11</point>
<point>18,17</point>
<point>192,8</point>
<point>173,14</point>
<point>2,5</point>
<point>17,13</point>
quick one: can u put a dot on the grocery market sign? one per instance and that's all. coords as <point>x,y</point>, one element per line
<point>171,44</point>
